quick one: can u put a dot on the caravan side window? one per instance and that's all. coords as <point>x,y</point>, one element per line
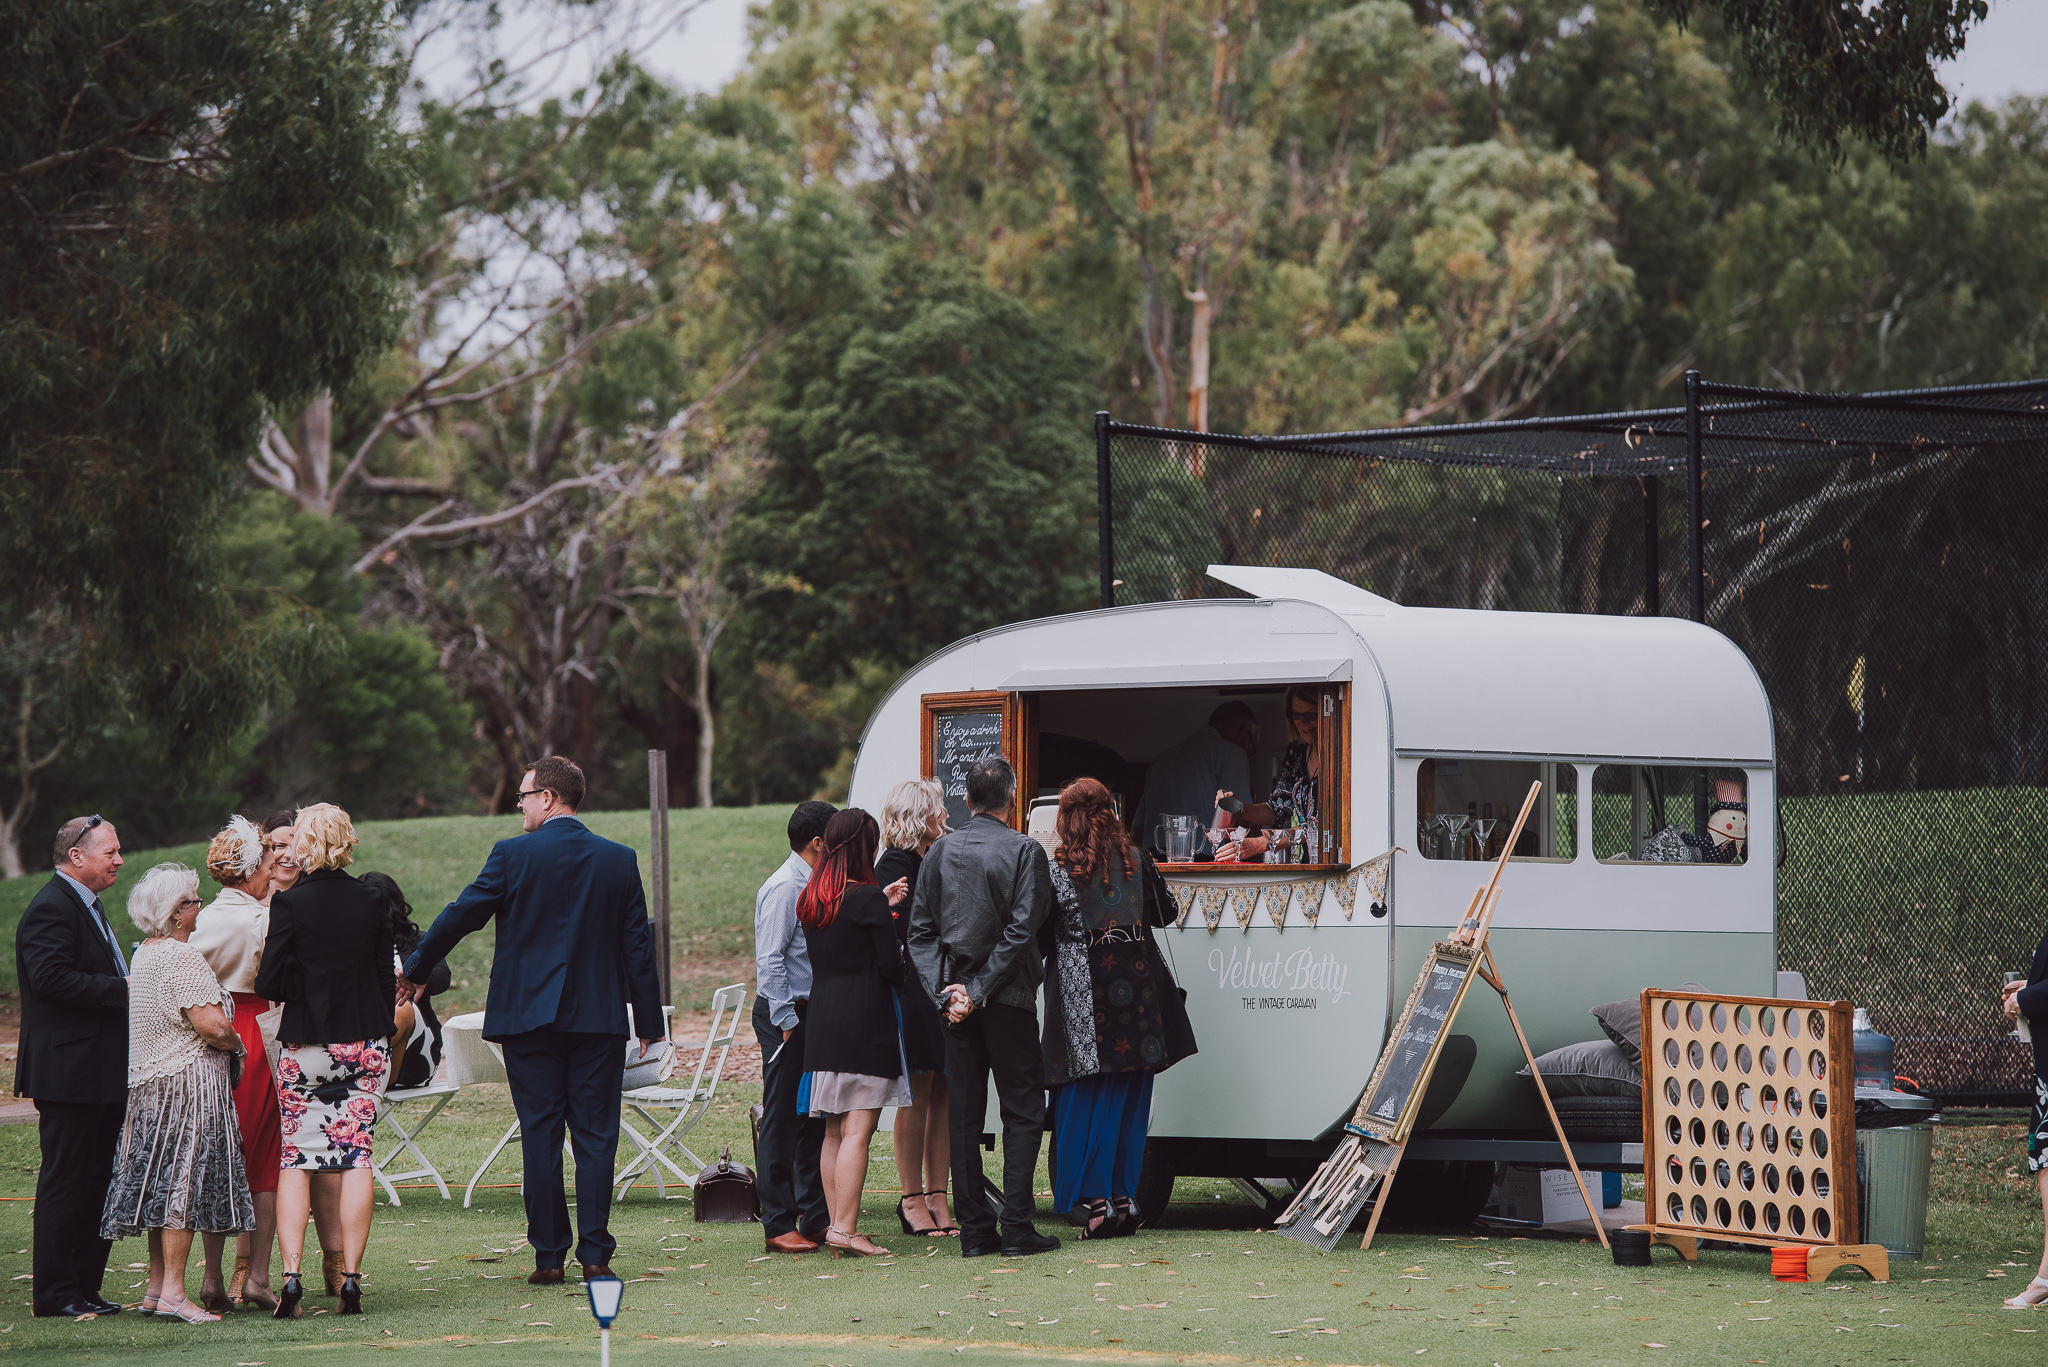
<point>1670,814</point>
<point>1464,808</point>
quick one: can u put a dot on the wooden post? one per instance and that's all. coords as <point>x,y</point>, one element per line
<point>657,859</point>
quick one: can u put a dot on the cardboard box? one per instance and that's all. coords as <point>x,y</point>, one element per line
<point>1547,1196</point>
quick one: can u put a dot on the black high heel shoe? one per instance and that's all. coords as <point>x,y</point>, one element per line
<point>1097,1220</point>
<point>1127,1216</point>
<point>288,1298</point>
<point>351,1294</point>
<point>903,1217</point>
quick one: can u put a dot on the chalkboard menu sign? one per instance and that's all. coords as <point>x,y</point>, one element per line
<point>959,741</point>
<point>1411,1054</point>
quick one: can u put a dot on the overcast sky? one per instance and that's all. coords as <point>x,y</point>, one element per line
<point>2007,54</point>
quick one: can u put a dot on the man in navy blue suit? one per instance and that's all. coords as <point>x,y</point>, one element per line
<point>574,946</point>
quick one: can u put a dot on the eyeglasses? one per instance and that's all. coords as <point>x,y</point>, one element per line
<point>525,793</point>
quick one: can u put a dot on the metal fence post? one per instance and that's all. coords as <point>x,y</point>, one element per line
<point>1653,593</point>
<point>657,860</point>
<point>1105,542</point>
<point>1695,497</point>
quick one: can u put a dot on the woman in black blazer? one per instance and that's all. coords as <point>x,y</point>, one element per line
<point>853,1054</point>
<point>913,816</point>
<point>328,958</point>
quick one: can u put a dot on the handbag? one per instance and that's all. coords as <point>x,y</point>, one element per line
<point>658,1067</point>
<point>724,1193</point>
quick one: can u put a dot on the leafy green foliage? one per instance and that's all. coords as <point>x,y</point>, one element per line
<point>200,204</point>
<point>931,465</point>
<point>1839,69</point>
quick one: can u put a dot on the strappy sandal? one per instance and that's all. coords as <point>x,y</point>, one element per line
<point>186,1311</point>
<point>1096,1220</point>
<point>1127,1216</point>
<point>2033,1298</point>
<point>903,1215</point>
<point>949,1230</point>
<point>857,1245</point>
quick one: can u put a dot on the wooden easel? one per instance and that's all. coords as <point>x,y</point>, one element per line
<point>1372,1156</point>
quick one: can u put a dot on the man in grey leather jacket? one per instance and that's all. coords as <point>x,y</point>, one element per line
<point>981,896</point>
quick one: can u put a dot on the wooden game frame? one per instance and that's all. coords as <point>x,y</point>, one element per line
<point>1745,1146</point>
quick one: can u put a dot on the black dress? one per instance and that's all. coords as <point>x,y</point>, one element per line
<point>1111,1005</point>
<point>924,1029</point>
<point>855,964</point>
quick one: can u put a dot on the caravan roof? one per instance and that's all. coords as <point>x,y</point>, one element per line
<point>1455,680</point>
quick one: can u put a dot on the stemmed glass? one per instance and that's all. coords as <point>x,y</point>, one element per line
<point>1457,828</point>
<point>1483,827</point>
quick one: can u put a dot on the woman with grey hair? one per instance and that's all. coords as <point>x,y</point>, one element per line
<point>913,816</point>
<point>179,1167</point>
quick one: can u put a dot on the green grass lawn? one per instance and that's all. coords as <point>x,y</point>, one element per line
<point>1206,1286</point>
<point>717,857</point>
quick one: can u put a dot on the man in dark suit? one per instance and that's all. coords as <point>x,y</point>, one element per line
<point>574,947</point>
<point>982,894</point>
<point>74,1062</point>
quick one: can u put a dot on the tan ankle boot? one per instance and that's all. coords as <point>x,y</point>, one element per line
<point>331,1270</point>
<point>236,1282</point>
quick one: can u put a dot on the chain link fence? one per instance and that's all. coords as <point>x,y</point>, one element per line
<point>1879,557</point>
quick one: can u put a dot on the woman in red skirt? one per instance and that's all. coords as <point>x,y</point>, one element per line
<point>230,934</point>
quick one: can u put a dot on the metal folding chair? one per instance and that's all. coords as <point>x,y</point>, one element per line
<point>686,1106</point>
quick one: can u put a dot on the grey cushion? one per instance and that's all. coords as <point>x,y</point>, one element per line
<point>1623,1023</point>
<point>1593,1068</point>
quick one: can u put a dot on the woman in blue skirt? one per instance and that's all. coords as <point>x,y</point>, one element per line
<point>1113,1014</point>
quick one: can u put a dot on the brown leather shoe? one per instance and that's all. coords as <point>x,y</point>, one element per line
<point>792,1242</point>
<point>545,1276</point>
<point>595,1270</point>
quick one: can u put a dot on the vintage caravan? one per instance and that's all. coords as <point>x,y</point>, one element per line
<point>1429,726</point>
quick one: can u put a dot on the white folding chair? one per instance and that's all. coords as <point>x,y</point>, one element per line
<point>435,1095</point>
<point>469,1058</point>
<point>687,1106</point>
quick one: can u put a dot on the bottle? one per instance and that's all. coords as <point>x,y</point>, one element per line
<point>1874,1054</point>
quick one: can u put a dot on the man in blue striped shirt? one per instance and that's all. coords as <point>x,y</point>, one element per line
<point>792,1195</point>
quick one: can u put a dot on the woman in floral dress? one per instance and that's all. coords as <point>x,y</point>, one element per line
<point>328,959</point>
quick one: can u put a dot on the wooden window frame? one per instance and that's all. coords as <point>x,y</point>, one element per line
<point>1020,736</point>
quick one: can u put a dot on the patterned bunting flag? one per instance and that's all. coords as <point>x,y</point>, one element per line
<point>1244,897</point>
<point>1212,906</point>
<point>1184,897</point>
<point>1308,896</point>
<point>1276,904</point>
<point>1372,876</point>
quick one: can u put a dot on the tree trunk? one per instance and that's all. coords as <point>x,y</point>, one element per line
<point>704,724</point>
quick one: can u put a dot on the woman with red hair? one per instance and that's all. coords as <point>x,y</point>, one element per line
<point>1113,1014</point>
<point>853,1048</point>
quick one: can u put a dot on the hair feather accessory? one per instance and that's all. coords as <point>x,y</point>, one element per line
<point>248,844</point>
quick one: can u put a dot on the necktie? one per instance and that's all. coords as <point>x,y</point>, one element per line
<point>99,914</point>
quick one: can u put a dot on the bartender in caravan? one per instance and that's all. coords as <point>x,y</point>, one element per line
<point>1186,777</point>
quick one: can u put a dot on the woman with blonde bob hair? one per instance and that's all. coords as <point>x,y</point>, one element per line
<point>913,816</point>
<point>328,958</point>
<point>230,934</point>
<point>179,1167</point>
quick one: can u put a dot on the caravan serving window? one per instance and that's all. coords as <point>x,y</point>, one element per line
<point>1464,808</point>
<point>1670,814</point>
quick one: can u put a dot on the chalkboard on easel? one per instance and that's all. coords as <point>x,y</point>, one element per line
<point>960,740</point>
<point>1388,1107</point>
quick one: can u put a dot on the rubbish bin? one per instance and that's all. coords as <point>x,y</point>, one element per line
<point>1894,1160</point>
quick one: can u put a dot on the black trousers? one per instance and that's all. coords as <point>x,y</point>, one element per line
<point>563,1078</point>
<point>999,1040</point>
<point>79,1139</point>
<point>787,1181</point>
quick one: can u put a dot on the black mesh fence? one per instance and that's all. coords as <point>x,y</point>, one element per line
<point>1882,558</point>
